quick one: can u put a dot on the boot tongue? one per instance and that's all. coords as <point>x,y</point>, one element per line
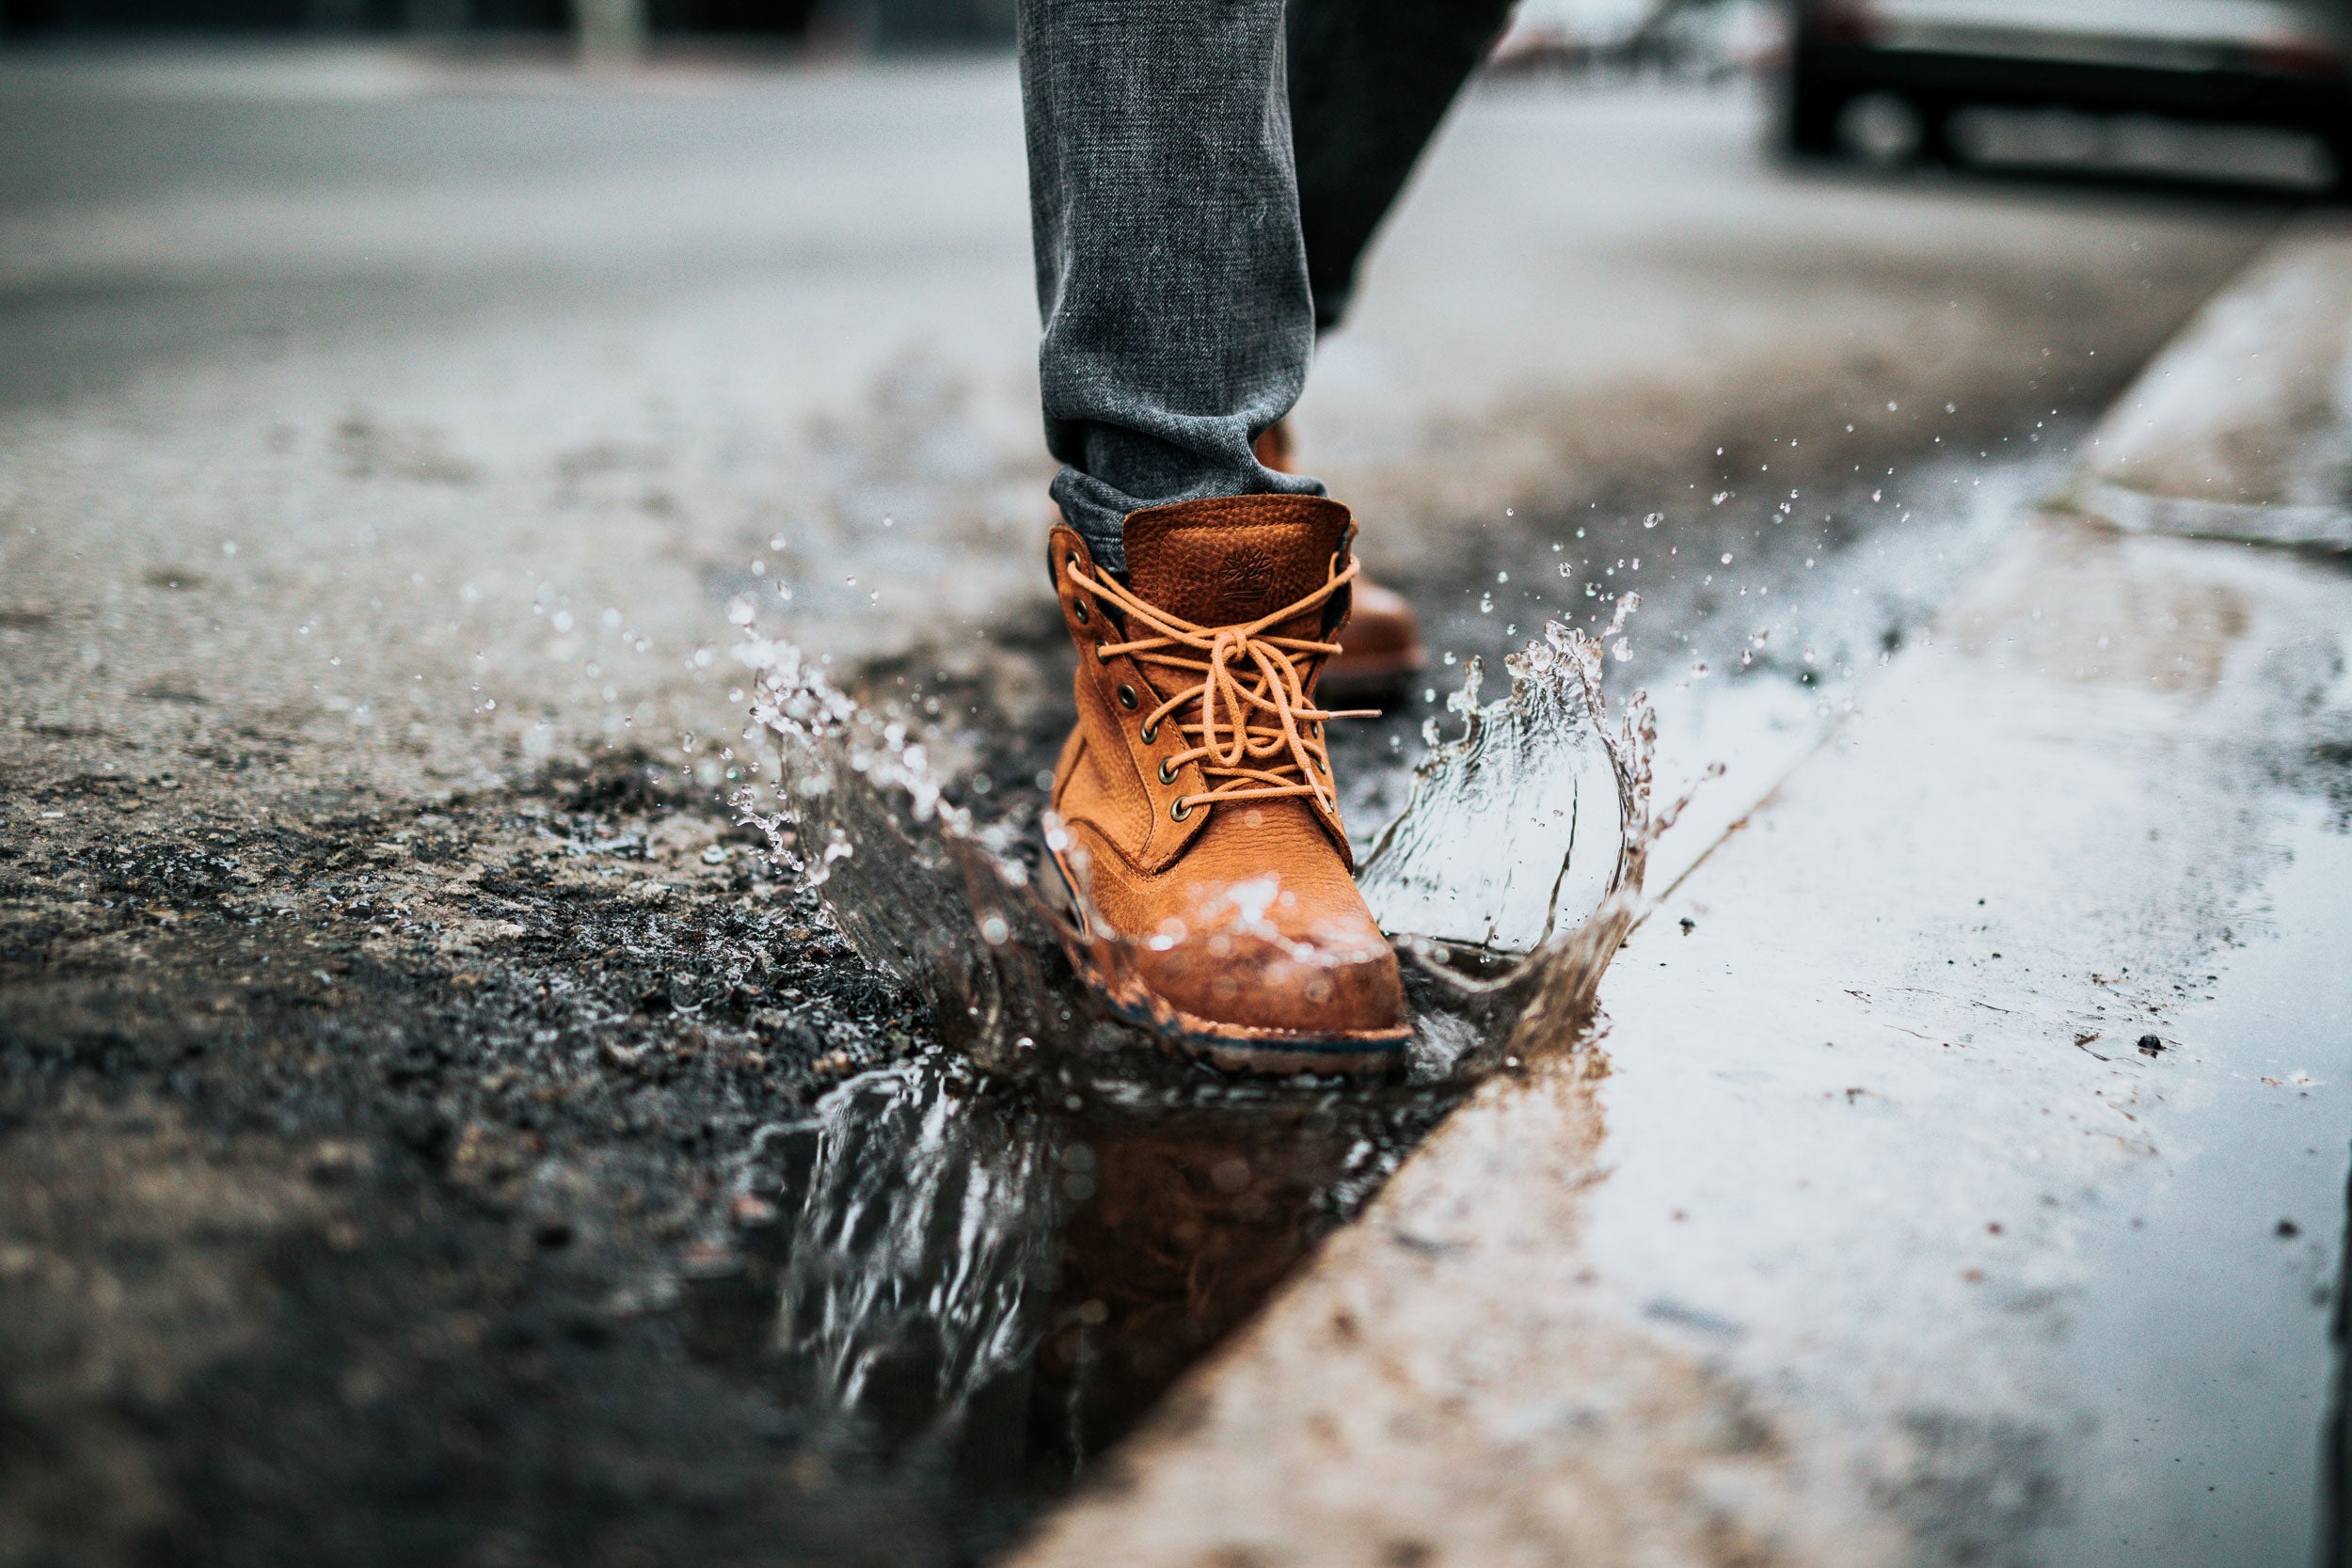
<point>1229,560</point>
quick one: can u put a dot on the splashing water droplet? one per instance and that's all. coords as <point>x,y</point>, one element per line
<point>925,896</point>
<point>837,850</point>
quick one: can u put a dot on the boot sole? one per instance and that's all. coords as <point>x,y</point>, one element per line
<point>1270,1053</point>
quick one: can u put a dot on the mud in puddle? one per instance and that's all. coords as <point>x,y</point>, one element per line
<point>348,1150</point>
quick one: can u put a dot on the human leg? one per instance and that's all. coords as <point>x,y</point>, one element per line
<point>1199,836</point>
<point>1369,81</point>
<point>1170,272</point>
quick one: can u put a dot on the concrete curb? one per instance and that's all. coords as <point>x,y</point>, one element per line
<point>2242,428</point>
<point>1869,1232</point>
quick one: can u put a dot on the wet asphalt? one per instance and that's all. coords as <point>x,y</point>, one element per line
<point>403,1046</point>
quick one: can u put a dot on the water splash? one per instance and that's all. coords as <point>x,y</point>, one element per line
<point>893,1254</point>
<point>996,1256</point>
<point>1525,813</point>
<point>938,902</point>
<point>1508,882</point>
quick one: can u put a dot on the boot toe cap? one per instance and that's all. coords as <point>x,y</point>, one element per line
<point>1335,987</point>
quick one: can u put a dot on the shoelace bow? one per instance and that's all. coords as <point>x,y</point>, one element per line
<point>1249,691</point>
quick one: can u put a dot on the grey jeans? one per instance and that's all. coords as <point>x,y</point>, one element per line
<point>1203,177</point>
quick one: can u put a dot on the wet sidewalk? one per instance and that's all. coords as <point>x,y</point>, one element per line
<point>1958,1176</point>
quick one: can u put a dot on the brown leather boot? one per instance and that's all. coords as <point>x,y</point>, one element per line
<point>1380,646</point>
<point>1196,791</point>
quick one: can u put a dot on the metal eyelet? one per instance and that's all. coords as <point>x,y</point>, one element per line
<point>1102,653</point>
<point>1150,731</point>
<point>1071,558</point>
<point>1126,695</point>
<point>1168,772</point>
<point>1177,810</point>
<point>1078,607</point>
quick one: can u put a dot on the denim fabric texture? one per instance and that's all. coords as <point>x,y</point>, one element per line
<point>1369,80</point>
<point>1170,273</point>
<point>1173,263</point>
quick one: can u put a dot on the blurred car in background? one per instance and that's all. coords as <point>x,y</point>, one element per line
<point>1687,39</point>
<point>2249,89</point>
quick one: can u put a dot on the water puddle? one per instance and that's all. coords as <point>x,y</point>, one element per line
<point>2205,1406</point>
<point>994,1258</point>
<point>996,1280</point>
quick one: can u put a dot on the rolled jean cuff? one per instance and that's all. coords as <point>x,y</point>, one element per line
<point>1099,511</point>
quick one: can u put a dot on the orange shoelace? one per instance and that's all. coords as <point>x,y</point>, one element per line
<point>1254,732</point>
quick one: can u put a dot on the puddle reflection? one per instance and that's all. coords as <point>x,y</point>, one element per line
<point>997,1279</point>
